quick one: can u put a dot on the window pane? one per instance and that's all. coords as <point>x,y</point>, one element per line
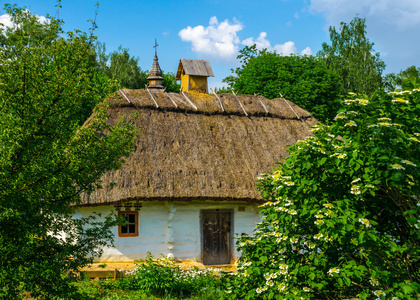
<point>132,218</point>
<point>131,228</point>
<point>124,229</point>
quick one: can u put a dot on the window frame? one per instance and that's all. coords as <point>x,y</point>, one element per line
<point>126,212</point>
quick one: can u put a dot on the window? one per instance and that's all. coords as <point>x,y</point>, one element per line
<point>132,226</point>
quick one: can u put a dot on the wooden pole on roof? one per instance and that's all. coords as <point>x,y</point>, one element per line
<point>243,108</point>
<point>171,99</point>
<point>126,98</point>
<point>221,104</point>
<point>189,101</point>
<point>262,103</point>
<point>153,98</point>
<point>289,106</point>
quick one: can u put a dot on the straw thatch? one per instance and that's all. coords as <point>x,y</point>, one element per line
<point>191,149</point>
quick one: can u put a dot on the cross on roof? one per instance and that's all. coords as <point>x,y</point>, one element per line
<point>155,46</point>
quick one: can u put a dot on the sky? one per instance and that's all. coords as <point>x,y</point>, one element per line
<point>216,30</point>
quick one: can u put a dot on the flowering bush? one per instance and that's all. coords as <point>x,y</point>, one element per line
<point>341,217</point>
<point>163,277</point>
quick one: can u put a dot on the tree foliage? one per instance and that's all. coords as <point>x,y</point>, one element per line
<point>352,57</point>
<point>49,86</point>
<point>342,216</point>
<point>121,66</point>
<point>305,80</point>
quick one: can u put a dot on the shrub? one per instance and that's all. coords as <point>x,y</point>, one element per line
<point>163,277</point>
<point>341,218</point>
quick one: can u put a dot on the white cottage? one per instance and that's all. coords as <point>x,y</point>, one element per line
<point>190,186</point>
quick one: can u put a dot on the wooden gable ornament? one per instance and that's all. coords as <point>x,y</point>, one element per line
<point>193,74</point>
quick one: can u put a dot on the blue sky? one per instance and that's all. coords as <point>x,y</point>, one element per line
<point>216,30</point>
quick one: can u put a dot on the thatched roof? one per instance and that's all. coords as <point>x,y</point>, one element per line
<point>190,148</point>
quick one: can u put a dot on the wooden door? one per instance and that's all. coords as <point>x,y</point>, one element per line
<point>216,237</point>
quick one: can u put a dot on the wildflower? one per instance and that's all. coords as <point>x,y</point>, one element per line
<point>356,180</point>
<point>283,272</point>
<point>333,270</point>
<point>379,293</point>
<point>414,139</point>
<point>351,93</point>
<point>270,283</point>
<point>384,120</point>
<point>306,289</point>
<point>312,246</point>
<point>281,287</point>
<point>293,212</point>
<point>385,124</point>
<point>355,189</point>
<point>407,162</point>
<point>294,240</point>
<point>363,101</point>
<point>365,222</point>
<point>329,212</point>
<point>374,281</point>
<point>289,183</point>
<point>318,236</point>
<point>319,216</point>
<point>282,250</point>
<point>397,167</point>
<point>400,100</point>
<point>288,203</point>
<point>328,238</point>
<point>283,267</point>
<point>259,290</point>
<point>319,222</point>
<point>341,156</point>
<point>369,186</point>
<point>329,205</point>
<point>351,124</point>
<point>340,116</point>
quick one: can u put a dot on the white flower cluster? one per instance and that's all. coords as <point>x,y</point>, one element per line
<point>333,271</point>
<point>365,222</point>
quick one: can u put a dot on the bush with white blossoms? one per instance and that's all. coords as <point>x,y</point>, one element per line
<point>341,217</point>
<point>162,277</point>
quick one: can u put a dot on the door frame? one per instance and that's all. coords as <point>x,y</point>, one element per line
<point>231,244</point>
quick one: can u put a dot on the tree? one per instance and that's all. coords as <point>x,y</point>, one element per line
<point>341,218</point>
<point>170,83</point>
<point>352,57</point>
<point>121,66</point>
<point>303,79</point>
<point>50,154</point>
<point>409,78</point>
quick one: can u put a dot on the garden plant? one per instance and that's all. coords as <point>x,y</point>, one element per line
<point>341,217</point>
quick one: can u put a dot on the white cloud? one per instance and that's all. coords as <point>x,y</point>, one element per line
<point>306,51</point>
<point>218,40</point>
<point>261,42</point>
<point>287,48</point>
<point>296,15</point>
<point>6,20</point>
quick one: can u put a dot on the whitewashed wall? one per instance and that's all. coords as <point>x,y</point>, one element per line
<point>171,227</point>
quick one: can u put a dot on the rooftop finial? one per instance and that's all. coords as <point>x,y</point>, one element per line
<point>155,46</point>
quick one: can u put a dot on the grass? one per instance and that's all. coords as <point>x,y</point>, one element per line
<point>107,289</point>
